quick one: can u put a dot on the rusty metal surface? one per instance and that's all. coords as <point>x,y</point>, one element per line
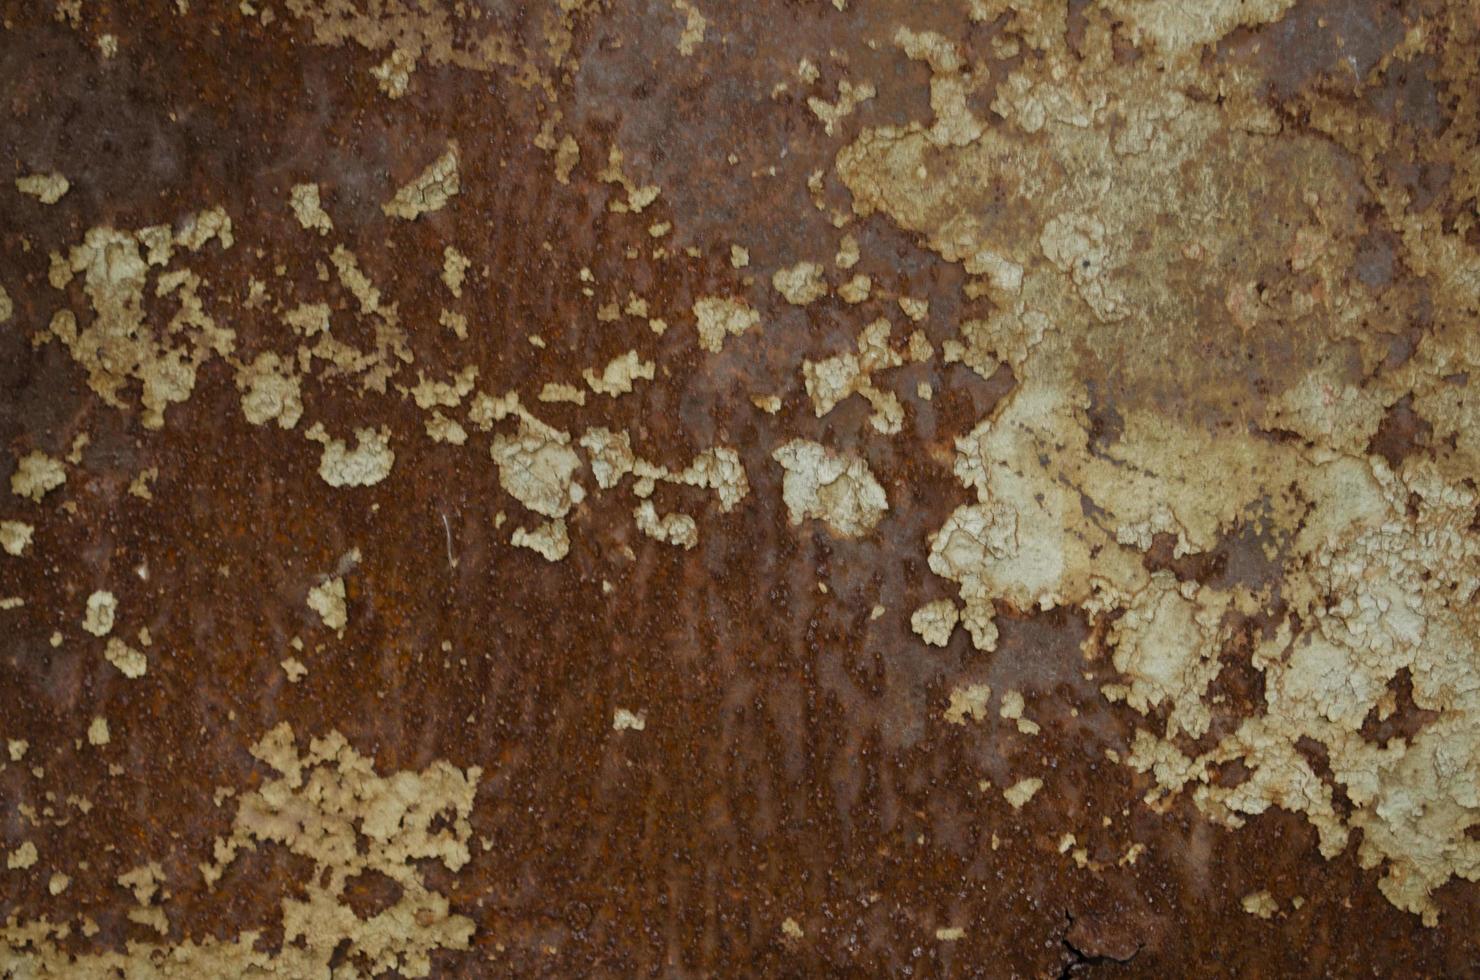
<point>795,799</point>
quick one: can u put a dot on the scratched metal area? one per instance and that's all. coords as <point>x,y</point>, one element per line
<point>794,488</point>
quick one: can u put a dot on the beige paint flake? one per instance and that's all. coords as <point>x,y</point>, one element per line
<point>304,200</point>
<point>770,404</point>
<point>619,374</point>
<point>454,268</point>
<point>7,306</point>
<point>22,857</point>
<point>429,191</point>
<point>15,537</point>
<point>557,391</point>
<point>800,284</point>
<point>101,609</point>
<point>440,428</point>
<point>856,290</point>
<point>836,378</point>
<point>693,28</point>
<point>294,668</point>
<point>968,700</point>
<point>537,467</point>
<point>393,74</point>
<point>837,488</point>
<point>791,929</point>
<point>850,97</point>
<point>675,529</point>
<point>330,807</point>
<point>46,188</point>
<point>328,600</point>
<point>57,883</point>
<point>365,465</point>
<point>36,475</point>
<point>162,351</point>
<point>1012,710</point>
<point>1020,792</point>
<point>270,391</point>
<point>550,540</point>
<point>739,256</point>
<point>935,621</point>
<point>97,731</point>
<point>950,934</point>
<point>567,155</point>
<point>915,309</point>
<point>16,748</point>
<point>130,662</point>
<point>1261,904</point>
<point>624,720</point>
<point>639,196</point>
<point>719,318</point>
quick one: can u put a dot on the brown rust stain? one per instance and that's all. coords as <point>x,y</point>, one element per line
<point>794,765</point>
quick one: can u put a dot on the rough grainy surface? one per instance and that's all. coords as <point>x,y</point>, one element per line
<point>567,488</point>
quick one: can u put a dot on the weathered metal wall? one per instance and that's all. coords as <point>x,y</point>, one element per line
<point>784,488</point>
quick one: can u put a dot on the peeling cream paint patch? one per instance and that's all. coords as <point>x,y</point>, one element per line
<point>97,731</point>
<point>549,540</point>
<point>120,343</point>
<point>791,929</point>
<point>440,428</point>
<point>970,699</point>
<point>1020,792</point>
<point>454,268</point>
<point>624,720</point>
<point>1176,28</point>
<point>1012,710</point>
<point>139,485</point>
<point>800,284</point>
<point>328,600</point>
<point>693,28</point>
<point>294,668</point>
<point>46,188</point>
<point>394,73</point>
<point>537,467</point>
<point>270,391</point>
<point>15,537</point>
<point>555,391</point>
<point>101,610</point>
<point>638,196</point>
<point>304,199</point>
<point>130,662</point>
<point>57,883</point>
<point>674,529</point>
<point>22,857</point>
<point>567,155</point>
<point>365,465</point>
<point>836,378</point>
<point>950,934</point>
<point>837,488</point>
<point>430,191</point>
<point>327,806</point>
<point>36,475</point>
<point>1261,904</point>
<point>619,374</point>
<point>739,257</point>
<point>935,621</point>
<point>7,306</point>
<point>856,290</point>
<point>850,97</point>
<point>721,317</point>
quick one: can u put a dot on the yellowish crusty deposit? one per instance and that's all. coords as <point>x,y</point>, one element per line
<point>1133,223</point>
<point>326,805</point>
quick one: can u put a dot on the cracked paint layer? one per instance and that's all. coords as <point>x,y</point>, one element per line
<point>454,616</point>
